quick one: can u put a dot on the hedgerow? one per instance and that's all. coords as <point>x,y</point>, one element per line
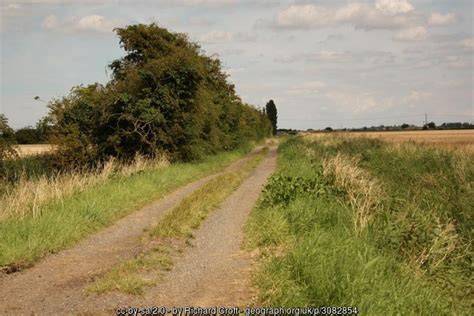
<point>165,96</point>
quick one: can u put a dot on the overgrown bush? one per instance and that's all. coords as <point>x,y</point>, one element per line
<point>6,141</point>
<point>165,95</point>
<point>281,189</point>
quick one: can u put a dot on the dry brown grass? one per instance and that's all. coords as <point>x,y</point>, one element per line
<point>26,197</point>
<point>451,139</point>
<point>33,150</point>
<point>364,193</point>
<point>443,246</point>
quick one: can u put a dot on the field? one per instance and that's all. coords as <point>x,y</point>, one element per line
<point>359,222</point>
<point>33,150</point>
<point>456,139</point>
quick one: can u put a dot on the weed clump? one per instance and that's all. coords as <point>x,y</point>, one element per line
<point>364,193</point>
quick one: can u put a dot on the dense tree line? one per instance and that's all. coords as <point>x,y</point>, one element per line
<point>165,95</point>
<point>32,135</point>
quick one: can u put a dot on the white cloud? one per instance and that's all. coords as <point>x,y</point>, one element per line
<point>415,96</point>
<point>55,2</point>
<point>438,19</point>
<point>222,36</point>
<point>11,10</point>
<point>319,56</point>
<point>95,23</point>
<point>233,71</point>
<point>180,2</point>
<point>11,6</point>
<point>199,21</point>
<point>329,56</point>
<point>468,43</point>
<point>417,33</point>
<point>212,3</point>
<point>393,7</point>
<point>310,87</point>
<point>304,16</point>
<point>216,36</point>
<point>89,23</point>
<point>341,58</point>
<point>359,102</point>
<point>383,14</point>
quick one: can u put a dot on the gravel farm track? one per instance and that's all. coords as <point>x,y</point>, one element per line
<point>214,271</point>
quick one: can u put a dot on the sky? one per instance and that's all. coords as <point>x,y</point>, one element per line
<point>324,62</point>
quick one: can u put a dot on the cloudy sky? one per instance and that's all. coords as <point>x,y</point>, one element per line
<point>324,62</point>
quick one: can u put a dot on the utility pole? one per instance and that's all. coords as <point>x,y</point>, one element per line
<point>426,119</point>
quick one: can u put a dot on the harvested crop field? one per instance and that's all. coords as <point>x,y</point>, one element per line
<point>456,139</point>
<point>32,150</point>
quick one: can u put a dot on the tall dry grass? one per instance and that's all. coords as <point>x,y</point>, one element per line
<point>33,149</point>
<point>26,197</point>
<point>364,193</point>
<point>443,246</point>
<point>457,140</point>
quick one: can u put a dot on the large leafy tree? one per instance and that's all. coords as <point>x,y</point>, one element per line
<point>272,114</point>
<point>164,95</point>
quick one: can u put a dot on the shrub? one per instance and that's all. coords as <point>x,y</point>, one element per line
<point>164,96</point>
<point>6,141</point>
<point>282,189</point>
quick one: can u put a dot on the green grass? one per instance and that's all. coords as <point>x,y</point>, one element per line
<point>62,223</point>
<point>311,254</point>
<point>172,233</point>
<point>194,209</point>
<point>128,276</point>
<point>428,209</point>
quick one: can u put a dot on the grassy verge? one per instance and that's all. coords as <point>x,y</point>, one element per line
<point>170,234</point>
<point>336,226</point>
<point>62,222</point>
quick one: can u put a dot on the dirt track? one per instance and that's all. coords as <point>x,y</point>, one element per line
<point>214,271</point>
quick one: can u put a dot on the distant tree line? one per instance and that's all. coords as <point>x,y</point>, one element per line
<point>32,135</point>
<point>404,126</point>
<point>165,95</point>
